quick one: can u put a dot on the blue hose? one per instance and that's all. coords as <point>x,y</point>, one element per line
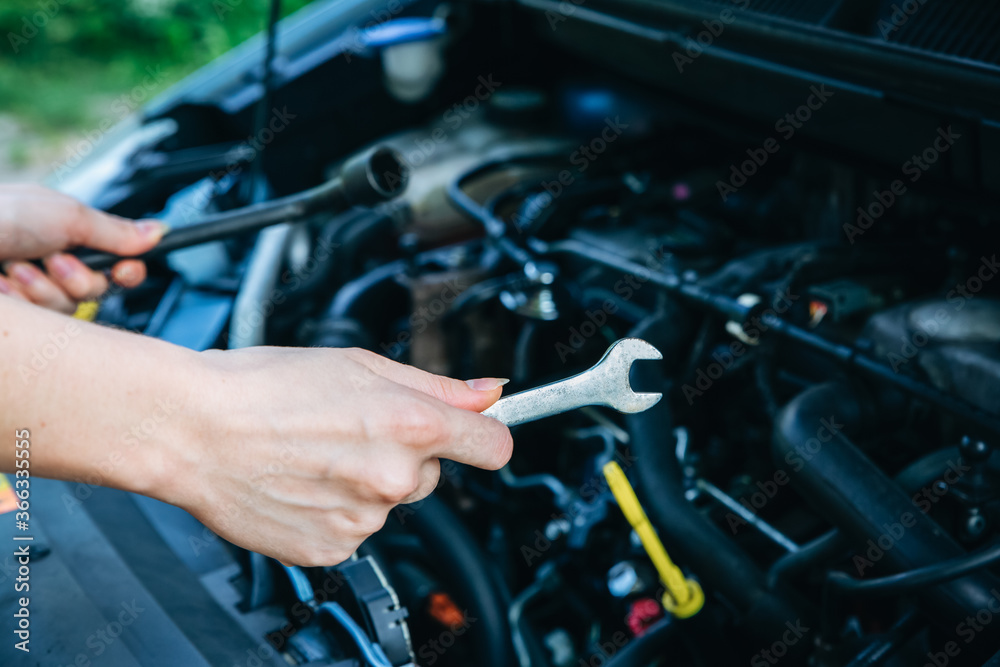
<point>373,653</point>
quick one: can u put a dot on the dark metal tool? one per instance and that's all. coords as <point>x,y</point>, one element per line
<point>374,176</point>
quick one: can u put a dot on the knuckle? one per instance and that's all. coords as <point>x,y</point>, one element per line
<point>441,386</point>
<point>356,524</point>
<point>393,484</point>
<point>77,290</point>
<point>373,523</point>
<point>79,229</point>
<point>98,286</point>
<point>430,480</point>
<point>420,423</point>
<point>358,354</point>
<point>82,288</point>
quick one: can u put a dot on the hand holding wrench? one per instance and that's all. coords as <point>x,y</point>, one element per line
<point>605,383</point>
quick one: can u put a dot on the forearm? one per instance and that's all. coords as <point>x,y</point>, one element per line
<point>296,454</point>
<point>103,406</point>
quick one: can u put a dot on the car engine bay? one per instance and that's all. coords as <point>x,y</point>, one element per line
<point>816,265</point>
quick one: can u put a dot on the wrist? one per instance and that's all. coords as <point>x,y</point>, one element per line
<point>164,444</point>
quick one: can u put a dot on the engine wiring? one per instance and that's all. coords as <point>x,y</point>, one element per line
<point>372,652</point>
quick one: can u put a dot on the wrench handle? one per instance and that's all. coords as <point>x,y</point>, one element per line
<point>545,401</point>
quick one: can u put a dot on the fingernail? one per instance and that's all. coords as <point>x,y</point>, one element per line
<point>62,267</point>
<point>153,228</point>
<point>5,287</point>
<point>23,273</point>
<point>487,384</point>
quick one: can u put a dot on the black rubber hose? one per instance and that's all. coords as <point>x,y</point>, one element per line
<point>692,539</point>
<point>824,548</point>
<point>912,580</point>
<point>852,493</point>
<point>466,570</point>
<point>643,649</point>
<point>351,295</point>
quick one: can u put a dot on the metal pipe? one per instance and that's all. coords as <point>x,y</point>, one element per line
<point>732,309</point>
<point>249,320</point>
<point>764,527</point>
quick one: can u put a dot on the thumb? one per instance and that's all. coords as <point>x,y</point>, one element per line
<point>475,395</point>
<point>110,233</point>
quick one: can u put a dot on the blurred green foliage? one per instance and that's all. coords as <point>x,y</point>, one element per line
<point>63,63</point>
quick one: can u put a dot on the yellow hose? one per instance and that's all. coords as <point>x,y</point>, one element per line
<point>684,597</point>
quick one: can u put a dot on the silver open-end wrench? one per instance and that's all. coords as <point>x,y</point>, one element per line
<point>605,383</point>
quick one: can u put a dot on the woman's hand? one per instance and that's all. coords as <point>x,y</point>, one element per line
<point>300,454</point>
<point>37,223</point>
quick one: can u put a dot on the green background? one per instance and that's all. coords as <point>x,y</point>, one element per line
<point>66,78</point>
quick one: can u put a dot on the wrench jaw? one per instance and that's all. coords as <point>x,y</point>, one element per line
<point>613,373</point>
<point>623,352</point>
<point>606,383</point>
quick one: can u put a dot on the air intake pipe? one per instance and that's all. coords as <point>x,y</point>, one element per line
<point>811,443</point>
